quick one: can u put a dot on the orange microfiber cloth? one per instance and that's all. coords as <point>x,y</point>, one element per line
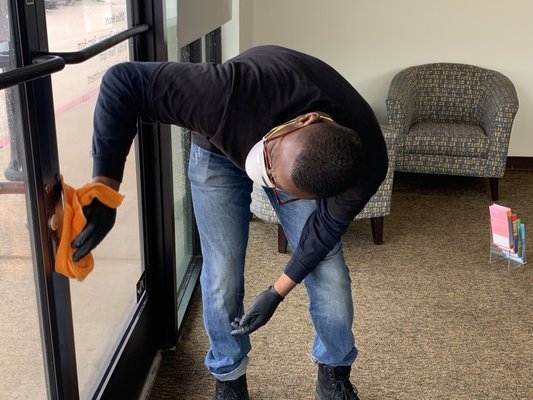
<point>73,222</point>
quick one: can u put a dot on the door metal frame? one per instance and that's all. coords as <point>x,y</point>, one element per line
<point>155,147</point>
<point>43,191</point>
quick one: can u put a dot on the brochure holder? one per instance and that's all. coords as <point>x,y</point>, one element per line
<point>497,254</point>
<point>507,237</point>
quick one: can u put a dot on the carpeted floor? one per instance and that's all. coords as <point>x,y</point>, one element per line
<point>434,320</point>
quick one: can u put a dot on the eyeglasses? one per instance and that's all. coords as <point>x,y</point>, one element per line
<point>270,137</point>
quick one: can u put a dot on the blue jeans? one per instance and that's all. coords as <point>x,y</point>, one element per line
<point>221,195</point>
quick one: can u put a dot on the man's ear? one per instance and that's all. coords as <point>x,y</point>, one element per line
<point>307,119</point>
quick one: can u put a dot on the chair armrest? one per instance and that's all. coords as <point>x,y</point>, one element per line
<point>500,106</point>
<point>391,140</point>
<point>498,110</point>
<point>401,101</point>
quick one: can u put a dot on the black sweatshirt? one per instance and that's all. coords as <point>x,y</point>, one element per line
<point>230,107</point>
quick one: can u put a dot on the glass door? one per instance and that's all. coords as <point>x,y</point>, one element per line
<point>60,338</point>
<point>104,303</point>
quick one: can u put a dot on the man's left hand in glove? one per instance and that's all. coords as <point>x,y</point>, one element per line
<point>100,220</point>
<point>259,312</point>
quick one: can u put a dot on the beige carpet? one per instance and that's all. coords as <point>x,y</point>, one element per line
<point>434,320</point>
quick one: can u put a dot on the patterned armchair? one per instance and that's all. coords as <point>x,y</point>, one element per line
<point>376,209</point>
<point>452,119</point>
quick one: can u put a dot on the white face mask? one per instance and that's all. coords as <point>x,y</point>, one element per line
<point>255,165</point>
<point>255,160</point>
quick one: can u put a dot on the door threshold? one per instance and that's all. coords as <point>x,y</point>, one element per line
<point>152,375</point>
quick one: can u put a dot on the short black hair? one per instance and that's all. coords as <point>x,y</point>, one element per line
<point>331,160</point>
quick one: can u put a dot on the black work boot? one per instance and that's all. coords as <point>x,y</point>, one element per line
<point>232,390</point>
<point>334,383</point>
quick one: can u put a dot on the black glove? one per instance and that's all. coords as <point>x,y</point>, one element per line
<point>260,311</point>
<point>100,220</point>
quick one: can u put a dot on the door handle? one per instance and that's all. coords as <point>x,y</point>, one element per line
<point>47,63</point>
<point>42,66</point>
<point>76,57</point>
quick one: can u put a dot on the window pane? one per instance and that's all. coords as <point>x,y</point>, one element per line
<point>21,358</point>
<point>104,302</point>
<point>182,202</point>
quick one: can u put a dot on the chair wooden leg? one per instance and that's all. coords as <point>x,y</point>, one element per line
<point>282,240</point>
<point>377,229</point>
<point>494,188</point>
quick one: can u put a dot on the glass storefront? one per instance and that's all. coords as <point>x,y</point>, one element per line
<point>60,338</point>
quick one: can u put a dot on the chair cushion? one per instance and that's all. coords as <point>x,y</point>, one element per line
<point>456,140</point>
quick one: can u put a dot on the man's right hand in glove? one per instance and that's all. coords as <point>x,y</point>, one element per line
<point>261,310</point>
